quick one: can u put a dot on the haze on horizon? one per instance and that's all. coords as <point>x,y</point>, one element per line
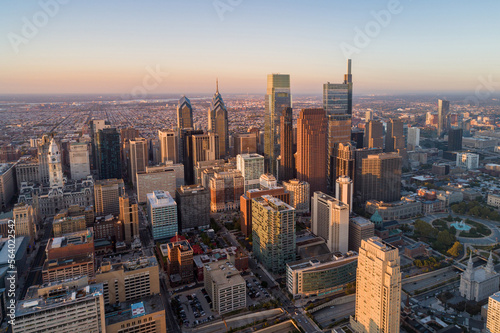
<point>112,47</point>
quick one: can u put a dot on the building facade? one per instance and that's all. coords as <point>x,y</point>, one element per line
<point>162,214</point>
<point>477,284</point>
<point>225,286</point>
<point>193,204</point>
<point>251,167</point>
<point>300,197</point>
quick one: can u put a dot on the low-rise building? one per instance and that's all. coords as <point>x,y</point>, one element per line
<point>494,200</point>
<point>398,210</point>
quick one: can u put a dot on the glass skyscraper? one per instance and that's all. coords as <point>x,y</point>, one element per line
<point>108,153</point>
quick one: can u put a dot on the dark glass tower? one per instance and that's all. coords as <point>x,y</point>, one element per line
<point>218,123</point>
<point>455,139</point>
<point>287,165</point>
<point>108,148</point>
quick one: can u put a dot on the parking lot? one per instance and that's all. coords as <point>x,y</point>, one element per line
<point>195,307</point>
<point>255,292</point>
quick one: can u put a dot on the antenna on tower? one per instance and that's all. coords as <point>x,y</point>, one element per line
<point>217,85</point>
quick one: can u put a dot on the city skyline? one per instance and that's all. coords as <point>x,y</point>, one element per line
<point>240,43</point>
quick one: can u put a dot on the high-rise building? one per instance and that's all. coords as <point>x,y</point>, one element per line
<point>357,137</point>
<point>200,147</point>
<point>179,255</point>
<point>7,184</point>
<point>193,205</point>
<point>368,115</point>
<point>413,138</point>
<point>273,232</point>
<point>287,161</point>
<point>169,145</point>
<point>225,286</point>
<point>378,288</point>
<point>345,191</point>
<point>359,155</point>
<point>339,131</point>
<point>108,153</point>
<point>184,114</point>
<point>218,123</point>
<point>468,161</point>
<point>493,316</point>
<point>455,136</point>
<point>162,214</point>
<point>129,216</point>
<point>25,218</point>
<point>245,143</point>
<point>337,98</point>
<point>345,160</point>
<point>381,177</point>
<point>394,138</point>
<point>79,162</point>
<point>138,158</point>
<point>129,134</point>
<point>311,160</point>
<point>43,158</point>
<point>55,167</point>
<point>161,177</point>
<point>225,190</point>
<point>443,116</point>
<point>330,221</point>
<point>359,228</point>
<point>278,98</point>
<point>76,308</point>
<point>107,193</point>
<point>374,134</point>
<point>251,167</point>
<point>300,197</point>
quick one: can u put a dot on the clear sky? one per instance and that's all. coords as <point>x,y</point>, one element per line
<point>110,46</point>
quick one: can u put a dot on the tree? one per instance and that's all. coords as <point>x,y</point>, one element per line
<point>455,249</point>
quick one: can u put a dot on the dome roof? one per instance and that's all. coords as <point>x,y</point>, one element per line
<point>376,218</point>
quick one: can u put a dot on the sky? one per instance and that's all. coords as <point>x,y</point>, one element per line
<point>182,46</point>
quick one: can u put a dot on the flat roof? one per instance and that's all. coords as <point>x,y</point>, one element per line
<point>125,310</point>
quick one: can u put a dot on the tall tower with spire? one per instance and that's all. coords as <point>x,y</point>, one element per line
<point>55,168</point>
<point>218,122</point>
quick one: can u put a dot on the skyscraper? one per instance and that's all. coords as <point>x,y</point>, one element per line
<point>300,197</point>
<point>413,138</point>
<point>287,162</point>
<point>345,160</point>
<point>184,114</point>
<point>129,216</point>
<point>55,168</point>
<point>79,162</point>
<point>493,317</point>
<point>381,177</point>
<point>218,123</point>
<point>245,143</point>
<point>95,125</point>
<point>394,138</point>
<point>107,193</point>
<point>330,220</point>
<point>443,116</point>
<point>199,147</point>
<point>138,158</point>
<point>311,148</point>
<point>455,136</point>
<point>251,167</point>
<point>278,98</point>
<point>108,147</point>
<point>374,134</point>
<point>378,288</point>
<point>162,214</point>
<point>169,146</point>
<point>345,190</point>
<point>273,232</point>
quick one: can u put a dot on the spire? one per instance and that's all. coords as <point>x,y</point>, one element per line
<point>489,266</point>
<point>470,264</point>
<point>217,85</point>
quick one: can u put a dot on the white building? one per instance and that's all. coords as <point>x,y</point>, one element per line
<point>330,220</point>
<point>225,286</point>
<point>79,163</point>
<point>300,196</point>
<point>55,167</point>
<point>162,214</point>
<point>493,317</point>
<point>344,190</point>
<point>251,167</point>
<point>413,138</point>
<point>468,161</point>
<point>163,177</point>
<point>477,284</point>
<point>493,200</point>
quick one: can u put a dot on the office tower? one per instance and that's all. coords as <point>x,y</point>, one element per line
<point>368,115</point>
<point>68,224</point>
<point>55,168</point>
<point>345,160</point>
<point>273,233</point>
<point>300,197</point>
<point>108,147</point>
<point>381,177</point>
<point>345,191</point>
<point>162,177</point>
<point>311,147</point>
<point>374,134</point>
<point>287,160</point>
<point>218,123</point>
<point>245,143</point>
<point>193,206</point>
<point>7,184</point>
<point>225,286</point>
<point>394,138</point>
<point>132,278</point>
<point>179,260</point>
<point>278,98</point>
<point>95,125</point>
<point>225,190</point>
<point>199,147</point>
<point>27,170</point>
<point>43,158</point>
<point>455,136</point>
<point>79,163</point>
<point>357,136</point>
<point>330,221</point>
<point>138,158</point>
<point>129,216</point>
<point>25,217</point>
<point>162,214</point>
<point>359,228</point>
<point>251,167</point>
<point>468,161</point>
<point>246,204</point>
<point>61,308</point>
<point>378,288</point>
<point>184,114</point>
<point>413,138</point>
<point>107,193</point>
<point>359,155</point>
<point>169,146</point>
<point>129,134</point>
<point>493,317</point>
<point>337,98</point>
<point>443,116</point>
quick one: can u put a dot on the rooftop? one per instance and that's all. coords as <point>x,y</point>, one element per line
<point>126,264</point>
<point>324,261</point>
<point>224,273</point>
<point>160,199</point>
<point>133,309</point>
<point>4,167</point>
<point>361,221</point>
